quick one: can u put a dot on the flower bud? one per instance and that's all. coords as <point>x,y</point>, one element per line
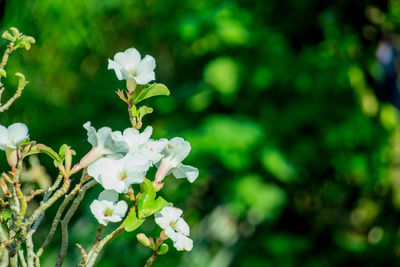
<point>12,158</point>
<point>131,85</point>
<point>142,238</point>
<point>163,249</point>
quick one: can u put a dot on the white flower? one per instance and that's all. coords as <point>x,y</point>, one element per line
<point>140,143</point>
<point>104,142</point>
<point>13,135</point>
<point>110,142</point>
<point>175,152</point>
<point>119,174</point>
<point>169,219</point>
<point>106,209</point>
<point>129,65</point>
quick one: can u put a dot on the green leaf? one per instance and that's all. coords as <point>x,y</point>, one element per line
<point>154,89</point>
<point>21,79</point>
<point>142,111</point>
<point>62,150</point>
<point>14,31</point>
<point>158,204</point>
<point>134,111</point>
<point>163,249</point>
<point>3,73</point>
<point>8,36</point>
<point>148,194</point>
<point>147,203</point>
<point>24,43</point>
<point>132,222</point>
<point>40,148</point>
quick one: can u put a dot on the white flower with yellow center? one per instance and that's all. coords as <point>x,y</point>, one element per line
<point>175,152</point>
<point>119,174</point>
<point>141,143</point>
<point>129,65</point>
<point>106,208</point>
<point>104,142</point>
<point>169,219</point>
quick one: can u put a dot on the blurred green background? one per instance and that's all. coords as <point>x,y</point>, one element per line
<point>299,159</point>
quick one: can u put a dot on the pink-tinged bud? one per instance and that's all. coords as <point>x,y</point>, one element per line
<point>91,157</point>
<point>131,85</point>
<point>12,157</point>
<point>162,171</point>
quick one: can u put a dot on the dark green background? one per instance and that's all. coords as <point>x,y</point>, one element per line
<point>298,158</point>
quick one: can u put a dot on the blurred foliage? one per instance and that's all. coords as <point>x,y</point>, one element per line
<point>298,153</point>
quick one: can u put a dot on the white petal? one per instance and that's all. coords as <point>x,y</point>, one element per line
<point>170,233</point>
<point>3,137</point>
<point>185,171</point>
<point>182,226</point>
<point>146,65</point>
<point>91,133</point>
<point>97,210</point>
<point>104,167</point>
<point>113,183</point>
<point>183,242</point>
<point>17,133</point>
<point>136,163</point>
<point>161,220</point>
<point>145,78</point>
<point>120,208</point>
<point>114,218</point>
<point>134,178</point>
<point>129,59</point>
<point>145,135</point>
<point>177,149</point>
<point>117,68</point>
<point>109,195</point>
<point>171,213</point>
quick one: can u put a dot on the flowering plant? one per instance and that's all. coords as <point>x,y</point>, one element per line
<point>118,162</point>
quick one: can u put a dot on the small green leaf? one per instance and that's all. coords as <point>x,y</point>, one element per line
<point>154,89</point>
<point>158,204</point>
<point>21,79</point>
<point>8,36</point>
<point>30,39</point>
<point>142,111</point>
<point>163,249</point>
<point>3,73</point>
<point>147,203</point>
<point>14,31</point>
<point>40,148</point>
<point>132,222</point>
<point>147,198</point>
<point>134,111</point>
<point>23,43</point>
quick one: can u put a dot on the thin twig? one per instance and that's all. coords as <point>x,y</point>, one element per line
<point>57,218</point>
<point>96,249</point>
<point>67,218</point>
<point>151,260</point>
<point>29,248</point>
<point>38,214</point>
<point>17,94</point>
<point>22,258</point>
<point>84,255</point>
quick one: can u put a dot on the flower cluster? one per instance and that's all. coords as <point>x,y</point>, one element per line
<point>118,160</point>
